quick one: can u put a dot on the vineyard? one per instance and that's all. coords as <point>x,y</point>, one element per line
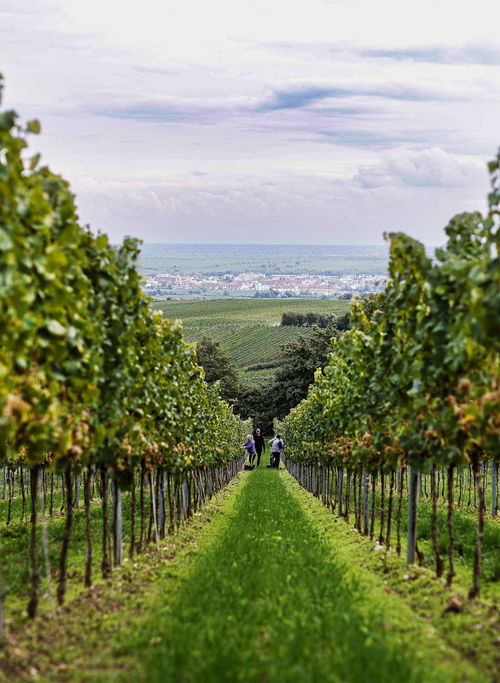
<point>249,329</point>
<point>133,544</point>
<point>408,406</point>
<point>104,408</point>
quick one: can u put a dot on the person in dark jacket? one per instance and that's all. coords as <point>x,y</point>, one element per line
<point>260,444</point>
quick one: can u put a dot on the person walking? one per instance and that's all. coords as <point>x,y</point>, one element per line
<point>276,448</point>
<point>249,445</point>
<point>260,444</point>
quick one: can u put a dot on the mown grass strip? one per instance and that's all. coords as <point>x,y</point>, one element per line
<point>88,639</point>
<point>269,601</point>
<point>414,600</point>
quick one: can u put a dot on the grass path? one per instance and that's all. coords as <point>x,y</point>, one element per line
<point>262,585</point>
<point>268,600</point>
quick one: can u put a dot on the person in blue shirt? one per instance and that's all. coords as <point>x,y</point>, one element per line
<point>249,445</point>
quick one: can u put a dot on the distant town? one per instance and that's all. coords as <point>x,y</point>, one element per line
<point>167,285</point>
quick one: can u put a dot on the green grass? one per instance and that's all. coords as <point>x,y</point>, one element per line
<point>465,531</point>
<point>248,329</point>
<point>270,600</point>
<point>473,631</point>
<point>83,640</point>
<point>263,584</point>
<point>16,543</point>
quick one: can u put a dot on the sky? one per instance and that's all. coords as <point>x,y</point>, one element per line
<point>260,121</point>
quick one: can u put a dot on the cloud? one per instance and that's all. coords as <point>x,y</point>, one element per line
<point>431,167</point>
<point>299,96</point>
<point>351,100</point>
<point>459,55</point>
<point>416,192</point>
<point>176,109</point>
<point>365,138</point>
<point>472,53</point>
<point>337,138</point>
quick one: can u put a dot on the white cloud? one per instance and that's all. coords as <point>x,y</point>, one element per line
<point>431,167</point>
<point>311,208</point>
<point>265,120</point>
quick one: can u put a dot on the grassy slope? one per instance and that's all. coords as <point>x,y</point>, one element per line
<point>83,640</point>
<point>271,600</point>
<point>472,632</point>
<point>249,329</point>
<point>264,584</point>
<point>15,543</point>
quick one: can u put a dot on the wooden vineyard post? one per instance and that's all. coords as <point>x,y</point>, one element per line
<point>398,511</point>
<point>494,488</point>
<point>2,620</point>
<point>389,512</point>
<point>451,535</point>
<point>373,501</point>
<point>161,501</point>
<point>199,486</point>
<point>117,524</point>
<point>153,505</point>
<point>35,576</point>
<point>435,536</point>
<point>412,515</point>
<point>185,499</point>
<point>339,491</point>
<point>63,558</point>
<point>475,590</point>
<point>77,492</point>
<point>366,503</point>
<point>45,540</point>
<point>88,536</point>
<point>105,563</point>
<point>382,507</point>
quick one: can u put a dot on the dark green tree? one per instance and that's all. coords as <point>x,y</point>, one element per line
<point>256,402</point>
<point>218,367</point>
<point>301,359</point>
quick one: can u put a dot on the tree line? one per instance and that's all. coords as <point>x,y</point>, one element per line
<point>295,319</point>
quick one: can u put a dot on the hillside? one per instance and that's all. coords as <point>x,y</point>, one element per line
<point>249,329</point>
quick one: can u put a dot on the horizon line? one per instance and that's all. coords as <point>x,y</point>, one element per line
<point>258,244</point>
<point>269,244</point>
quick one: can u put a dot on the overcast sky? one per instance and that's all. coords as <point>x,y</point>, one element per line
<point>266,121</point>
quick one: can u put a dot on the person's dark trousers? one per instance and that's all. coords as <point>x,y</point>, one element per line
<point>275,460</point>
<point>259,453</point>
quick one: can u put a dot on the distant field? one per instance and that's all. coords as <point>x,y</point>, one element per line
<point>264,311</point>
<point>249,329</point>
<point>244,258</point>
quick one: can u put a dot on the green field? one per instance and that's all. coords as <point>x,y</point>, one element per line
<point>249,329</point>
